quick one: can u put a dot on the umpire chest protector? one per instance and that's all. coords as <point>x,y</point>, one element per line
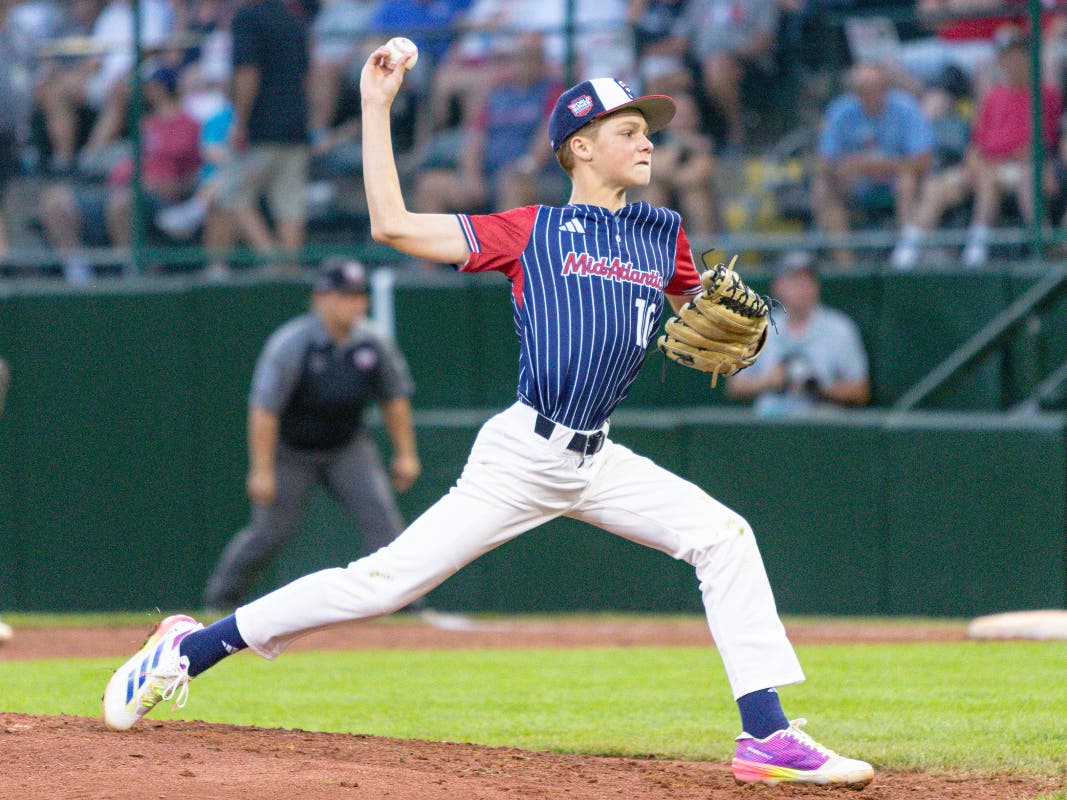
<point>326,408</point>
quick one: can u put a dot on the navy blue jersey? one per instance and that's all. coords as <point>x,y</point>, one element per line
<point>587,290</point>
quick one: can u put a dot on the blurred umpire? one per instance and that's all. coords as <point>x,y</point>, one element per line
<point>314,378</point>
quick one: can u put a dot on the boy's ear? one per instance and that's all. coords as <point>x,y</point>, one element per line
<point>581,147</point>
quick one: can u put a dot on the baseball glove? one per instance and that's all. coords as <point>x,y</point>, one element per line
<point>723,329</point>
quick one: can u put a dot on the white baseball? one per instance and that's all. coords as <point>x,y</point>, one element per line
<point>402,51</point>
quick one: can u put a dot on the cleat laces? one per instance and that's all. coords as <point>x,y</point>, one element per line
<point>805,739</point>
<point>172,684</point>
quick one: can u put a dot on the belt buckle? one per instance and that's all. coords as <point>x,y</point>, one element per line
<point>593,443</point>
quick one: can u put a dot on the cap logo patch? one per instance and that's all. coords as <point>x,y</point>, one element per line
<point>581,106</point>
<point>626,88</point>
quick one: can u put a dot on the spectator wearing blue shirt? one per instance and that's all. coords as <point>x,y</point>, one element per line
<point>873,149</point>
<point>428,23</point>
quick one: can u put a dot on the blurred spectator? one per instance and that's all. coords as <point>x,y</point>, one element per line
<point>503,159</point>
<point>15,101</point>
<point>603,45</point>
<point>952,129</point>
<point>207,102</point>
<point>814,355</point>
<point>208,27</point>
<point>998,161</point>
<point>684,177</point>
<point>603,42</point>
<point>270,134</point>
<point>963,39</point>
<point>733,41</point>
<point>874,147</point>
<point>661,64</point>
<point>655,23</point>
<point>60,79</point>
<point>100,215</point>
<point>99,81</point>
<point>339,47</point>
<point>430,24</point>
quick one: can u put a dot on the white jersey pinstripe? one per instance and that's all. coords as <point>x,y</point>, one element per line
<point>587,291</point>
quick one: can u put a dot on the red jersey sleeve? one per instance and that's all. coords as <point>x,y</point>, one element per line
<point>496,241</point>
<point>686,279</point>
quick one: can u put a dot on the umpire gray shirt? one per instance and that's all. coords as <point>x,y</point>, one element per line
<point>319,388</point>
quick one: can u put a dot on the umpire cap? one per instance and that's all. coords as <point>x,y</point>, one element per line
<point>340,274</point>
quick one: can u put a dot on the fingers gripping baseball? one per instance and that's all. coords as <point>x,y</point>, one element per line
<point>384,71</point>
<point>400,52</point>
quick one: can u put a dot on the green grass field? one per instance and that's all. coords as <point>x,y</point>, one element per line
<point>983,707</point>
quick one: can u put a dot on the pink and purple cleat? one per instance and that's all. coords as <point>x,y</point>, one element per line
<point>791,756</point>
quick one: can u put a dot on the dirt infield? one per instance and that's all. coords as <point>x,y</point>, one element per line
<point>75,757</point>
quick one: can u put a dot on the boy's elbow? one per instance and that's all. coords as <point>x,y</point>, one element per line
<point>378,234</point>
<point>383,233</point>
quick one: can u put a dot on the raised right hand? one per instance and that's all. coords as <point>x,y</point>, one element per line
<point>379,82</point>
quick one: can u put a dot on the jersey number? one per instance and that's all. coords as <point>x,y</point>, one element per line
<point>645,313</point>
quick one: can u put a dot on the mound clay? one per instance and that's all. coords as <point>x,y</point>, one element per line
<point>77,757</point>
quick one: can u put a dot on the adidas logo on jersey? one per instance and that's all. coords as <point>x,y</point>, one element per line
<point>572,225</point>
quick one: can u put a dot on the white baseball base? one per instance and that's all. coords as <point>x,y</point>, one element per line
<point>1042,624</point>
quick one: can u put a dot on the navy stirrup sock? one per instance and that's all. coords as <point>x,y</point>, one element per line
<point>207,647</point>
<point>761,713</point>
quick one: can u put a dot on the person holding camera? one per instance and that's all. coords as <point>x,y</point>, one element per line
<point>814,355</point>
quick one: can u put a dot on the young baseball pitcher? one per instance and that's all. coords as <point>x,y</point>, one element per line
<point>589,281</point>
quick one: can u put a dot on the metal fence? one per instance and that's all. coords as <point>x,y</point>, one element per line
<point>765,197</point>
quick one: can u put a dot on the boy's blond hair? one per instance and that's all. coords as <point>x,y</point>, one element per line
<point>563,153</point>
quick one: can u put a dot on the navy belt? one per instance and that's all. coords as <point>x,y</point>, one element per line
<point>584,444</point>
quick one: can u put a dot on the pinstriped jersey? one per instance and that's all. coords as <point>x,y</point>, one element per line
<point>587,288</point>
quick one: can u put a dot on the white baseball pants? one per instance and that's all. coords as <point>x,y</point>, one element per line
<point>515,480</point>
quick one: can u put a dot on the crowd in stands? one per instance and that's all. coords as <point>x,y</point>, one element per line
<point>249,116</point>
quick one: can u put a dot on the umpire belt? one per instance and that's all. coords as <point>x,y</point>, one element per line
<point>581,443</point>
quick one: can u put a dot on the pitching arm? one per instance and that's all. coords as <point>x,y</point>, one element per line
<point>432,237</point>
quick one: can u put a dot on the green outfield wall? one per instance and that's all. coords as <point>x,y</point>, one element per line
<point>122,456</point>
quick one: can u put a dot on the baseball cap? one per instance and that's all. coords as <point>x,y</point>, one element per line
<point>588,100</point>
<point>165,75</point>
<point>338,274</point>
<point>794,261</point>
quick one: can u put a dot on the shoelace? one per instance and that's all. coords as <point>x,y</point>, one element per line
<point>174,684</point>
<point>806,740</point>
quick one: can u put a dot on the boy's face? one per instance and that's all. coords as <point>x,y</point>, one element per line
<point>622,151</point>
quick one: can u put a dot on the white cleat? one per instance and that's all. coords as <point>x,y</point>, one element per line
<point>158,672</point>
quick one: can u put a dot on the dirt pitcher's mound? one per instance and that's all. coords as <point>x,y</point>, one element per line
<point>413,633</point>
<point>74,757</point>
